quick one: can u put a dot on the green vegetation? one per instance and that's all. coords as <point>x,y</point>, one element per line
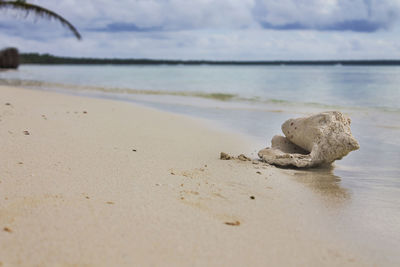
<point>218,96</point>
<point>34,58</point>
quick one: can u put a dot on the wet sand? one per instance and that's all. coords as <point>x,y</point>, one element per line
<point>93,182</point>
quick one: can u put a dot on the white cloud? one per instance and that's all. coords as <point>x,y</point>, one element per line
<point>210,29</point>
<point>323,14</point>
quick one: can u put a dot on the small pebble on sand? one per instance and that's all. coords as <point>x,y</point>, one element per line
<point>225,156</point>
<point>242,157</point>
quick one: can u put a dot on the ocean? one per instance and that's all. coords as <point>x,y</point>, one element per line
<point>255,101</point>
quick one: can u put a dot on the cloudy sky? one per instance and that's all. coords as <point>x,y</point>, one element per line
<point>211,29</point>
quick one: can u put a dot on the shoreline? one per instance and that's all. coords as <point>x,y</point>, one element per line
<point>102,182</point>
<point>29,78</point>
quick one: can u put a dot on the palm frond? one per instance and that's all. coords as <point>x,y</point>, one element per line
<point>40,12</point>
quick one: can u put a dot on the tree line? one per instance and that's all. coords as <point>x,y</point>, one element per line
<point>36,58</point>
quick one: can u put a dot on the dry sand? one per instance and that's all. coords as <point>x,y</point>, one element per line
<point>92,182</point>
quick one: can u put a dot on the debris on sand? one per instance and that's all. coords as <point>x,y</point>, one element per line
<point>235,223</point>
<point>225,156</point>
<point>242,157</point>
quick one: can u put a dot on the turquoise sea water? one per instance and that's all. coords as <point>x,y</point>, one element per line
<point>255,101</point>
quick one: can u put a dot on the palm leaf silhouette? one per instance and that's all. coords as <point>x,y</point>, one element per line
<point>40,12</point>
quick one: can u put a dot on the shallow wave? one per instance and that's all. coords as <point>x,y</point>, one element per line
<point>219,96</point>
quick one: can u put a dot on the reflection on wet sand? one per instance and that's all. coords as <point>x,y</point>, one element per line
<point>324,182</point>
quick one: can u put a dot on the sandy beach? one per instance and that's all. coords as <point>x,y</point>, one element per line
<point>94,182</point>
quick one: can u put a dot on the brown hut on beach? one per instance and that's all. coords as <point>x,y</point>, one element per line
<point>9,58</point>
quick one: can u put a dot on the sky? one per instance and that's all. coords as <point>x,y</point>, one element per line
<point>211,29</point>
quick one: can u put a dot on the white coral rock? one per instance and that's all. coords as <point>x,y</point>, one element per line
<point>311,141</point>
